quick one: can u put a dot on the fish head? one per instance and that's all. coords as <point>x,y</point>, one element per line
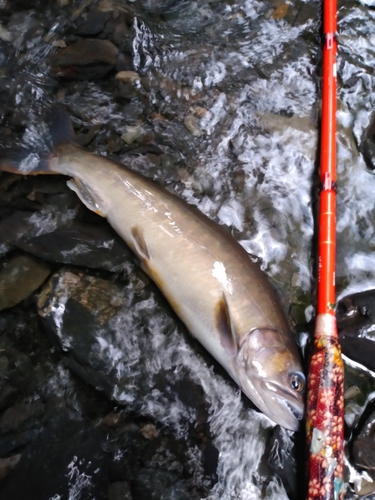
<point>269,371</point>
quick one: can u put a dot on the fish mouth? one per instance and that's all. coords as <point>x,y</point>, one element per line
<point>291,408</point>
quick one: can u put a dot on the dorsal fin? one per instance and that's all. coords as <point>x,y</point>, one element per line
<point>225,327</point>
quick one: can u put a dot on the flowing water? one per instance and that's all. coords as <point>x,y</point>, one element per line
<point>226,103</point>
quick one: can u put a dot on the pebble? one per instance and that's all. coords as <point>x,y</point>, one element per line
<point>199,111</point>
<point>280,12</point>
<point>5,35</point>
<point>60,44</point>
<point>128,76</point>
<point>191,124</point>
<point>149,431</point>
<point>132,134</point>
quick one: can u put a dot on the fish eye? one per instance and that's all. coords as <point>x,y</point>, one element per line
<point>297,381</point>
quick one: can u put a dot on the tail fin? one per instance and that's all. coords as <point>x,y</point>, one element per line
<point>23,162</point>
<point>59,131</point>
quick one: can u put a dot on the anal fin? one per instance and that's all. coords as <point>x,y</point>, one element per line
<point>85,196</point>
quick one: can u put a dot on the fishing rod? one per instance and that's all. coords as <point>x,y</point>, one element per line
<point>325,386</point>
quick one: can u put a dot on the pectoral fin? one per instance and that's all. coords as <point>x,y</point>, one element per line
<point>139,243</point>
<point>225,326</point>
<point>85,196</point>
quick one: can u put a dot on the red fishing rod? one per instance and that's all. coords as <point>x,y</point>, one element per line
<point>325,387</point>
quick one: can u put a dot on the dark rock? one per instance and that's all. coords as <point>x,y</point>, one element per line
<point>210,460</point>
<point>355,307</point>
<point>119,491</point>
<point>159,484</point>
<point>124,62</point>
<point>16,415</point>
<point>8,395</point>
<point>355,320</point>
<point>25,29</point>
<point>75,243</point>
<point>285,462</point>
<point>86,72</point>
<point>85,138</point>
<point>20,276</point>
<point>85,59</point>
<point>7,464</point>
<point>364,445</point>
<point>91,23</point>
<point>88,51</point>
<point>122,30</point>
<point>367,146</point>
<point>65,458</point>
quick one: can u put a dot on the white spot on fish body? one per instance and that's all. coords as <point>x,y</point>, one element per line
<point>219,272</point>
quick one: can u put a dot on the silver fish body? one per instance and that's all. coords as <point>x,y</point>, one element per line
<point>223,298</point>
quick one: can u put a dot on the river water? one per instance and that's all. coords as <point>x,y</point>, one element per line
<point>226,106</point>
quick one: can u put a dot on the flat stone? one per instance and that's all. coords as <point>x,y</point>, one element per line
<point>88,51</point>
<point>191,124</point>
<point>19,278</point>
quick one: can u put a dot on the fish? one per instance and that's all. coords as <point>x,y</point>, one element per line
<point>225,300</point>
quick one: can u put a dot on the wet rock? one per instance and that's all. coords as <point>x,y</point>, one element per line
<point>77,243</point>
<point>114,144</point>
<point>210,460</point>
<point>20,276</point>
<point>285,462</point>
<point>7,464</point>
<point>85,59</point>
<point>124,62</point>
<point>91,23</point>
<point>85,138</point>
<point>8,395</point>
<point>159,484</point>
<point>367,146</point>
<point>16,415</point>
<point>100,327</point>
<point>364,445</point>
<point>355,307</point>
<point>355,320</point>
<point>88,51</point>
<point>119,491</point>
<point>65,457</point>
<point>25,29</point>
